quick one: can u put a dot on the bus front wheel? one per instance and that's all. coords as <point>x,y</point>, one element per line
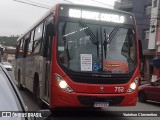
<point>36,93</point>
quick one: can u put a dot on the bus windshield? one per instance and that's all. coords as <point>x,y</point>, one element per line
<point>85,47</point>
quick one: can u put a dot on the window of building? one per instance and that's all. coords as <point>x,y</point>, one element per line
<point>154,3</point>
<point>146,34</point>
<point>147,10</point>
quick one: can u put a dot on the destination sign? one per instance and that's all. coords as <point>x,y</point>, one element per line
<point>92,15</point>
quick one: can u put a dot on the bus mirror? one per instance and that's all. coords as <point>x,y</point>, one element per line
<point>51,29</point>
<point>50,25</point>
<point>140,49</point>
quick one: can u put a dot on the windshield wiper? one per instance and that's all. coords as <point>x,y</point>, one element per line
<point>94,38</point>
<point>109,38</point>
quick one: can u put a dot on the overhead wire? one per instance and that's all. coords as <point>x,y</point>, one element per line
<point>31,4</point>
<point>102,3</point>
<point>68,1</point>
<point>38,4</point>
<point>46,1</point>
<point>47,7</point>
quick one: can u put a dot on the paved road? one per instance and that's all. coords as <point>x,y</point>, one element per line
<point>86,114</point>
<point>27,96</point>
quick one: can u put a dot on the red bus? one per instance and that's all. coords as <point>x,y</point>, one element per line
<point>80,56</point>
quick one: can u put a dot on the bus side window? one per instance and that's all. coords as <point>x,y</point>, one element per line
<point>25,47</point>
<point>22,44</point>
<point>30,44</point>
<point>20,50</point>
<point>38,38</point>
<point>49,32</point>
<point>17,49</point>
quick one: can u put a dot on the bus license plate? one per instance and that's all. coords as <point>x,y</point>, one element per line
<point>101,104</point>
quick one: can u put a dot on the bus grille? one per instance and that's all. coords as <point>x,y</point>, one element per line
<point>89,101</point>
<point>99,80</point>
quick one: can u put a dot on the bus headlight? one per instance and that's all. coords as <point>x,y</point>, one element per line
<point>133,85</point>
<point>63,84</point>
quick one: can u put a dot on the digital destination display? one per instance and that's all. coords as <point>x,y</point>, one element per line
<point>92,15</point>
<point>96,14</point>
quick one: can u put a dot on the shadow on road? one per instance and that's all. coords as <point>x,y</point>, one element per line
<point>153,103</point>
<point>30,101</point>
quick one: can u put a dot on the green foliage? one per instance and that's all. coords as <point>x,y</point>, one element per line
<point>8,41</point>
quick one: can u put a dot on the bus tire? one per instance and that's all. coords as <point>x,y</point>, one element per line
<point>20,87</point>
<point>142,96</point>
<point>36,91</point>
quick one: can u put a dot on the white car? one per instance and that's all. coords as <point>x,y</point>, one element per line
<point>7,65</point>
<point>11,99</point>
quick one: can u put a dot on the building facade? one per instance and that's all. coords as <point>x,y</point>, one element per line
<point>154,38</point>
<point>142,12</point>
<point>8,54</point>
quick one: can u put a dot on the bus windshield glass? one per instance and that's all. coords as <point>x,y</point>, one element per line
<point>86,47</point>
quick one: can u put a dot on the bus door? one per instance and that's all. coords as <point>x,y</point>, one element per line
<point>48,55</point>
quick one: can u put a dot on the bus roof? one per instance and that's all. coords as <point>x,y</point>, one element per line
<point>89,6</point>
<point>50,11</point>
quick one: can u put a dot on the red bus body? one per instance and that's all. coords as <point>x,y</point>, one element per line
<point>89,86</point>
<point>87,94</point>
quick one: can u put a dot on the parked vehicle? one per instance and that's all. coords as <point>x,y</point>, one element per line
<point>7,65</point>
<point>149,91</point>
<point>11,99</point>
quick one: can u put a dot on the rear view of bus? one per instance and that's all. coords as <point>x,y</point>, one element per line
<point>95,58</point>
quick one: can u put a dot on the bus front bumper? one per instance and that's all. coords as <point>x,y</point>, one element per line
<point>64,99</point>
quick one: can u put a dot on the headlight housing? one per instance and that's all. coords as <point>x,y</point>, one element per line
<point>63,84</point>
<point>133,85</point>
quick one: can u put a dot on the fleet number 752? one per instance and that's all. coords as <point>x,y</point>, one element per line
<point>119,89</point>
